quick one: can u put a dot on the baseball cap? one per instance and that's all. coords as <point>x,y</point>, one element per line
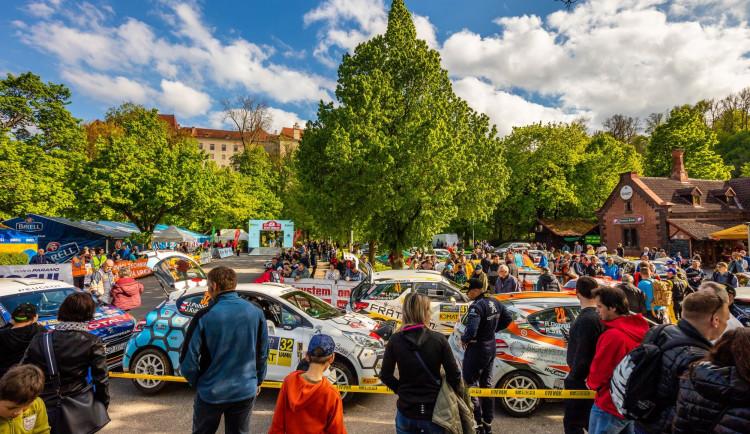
<point>671,270</point>
<point>24,312</point>
<point>472,283</point>
<point>731,290</point>
<point>671,262</point>
<point>323,342</point>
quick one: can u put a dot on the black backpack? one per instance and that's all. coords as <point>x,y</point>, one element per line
<point>635,381</point>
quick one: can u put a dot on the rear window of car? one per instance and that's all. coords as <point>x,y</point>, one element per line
<point>553,322</point>
<point>386,291</point>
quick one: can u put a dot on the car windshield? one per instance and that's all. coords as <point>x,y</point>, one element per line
<point>312,306</point>
<point>47,302</point>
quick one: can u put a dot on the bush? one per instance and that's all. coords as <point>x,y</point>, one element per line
<point>380,267</point>
<point>14,259</point>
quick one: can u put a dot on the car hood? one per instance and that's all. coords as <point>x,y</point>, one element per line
<point>353,322</point>
<point>108,321</point>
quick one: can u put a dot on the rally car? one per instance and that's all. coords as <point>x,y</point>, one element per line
<point>111,324</point>
<point>531,351</point>
<point>381,296</point>
<point>292,316</point>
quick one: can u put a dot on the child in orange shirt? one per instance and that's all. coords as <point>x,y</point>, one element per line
<point>307,402</point>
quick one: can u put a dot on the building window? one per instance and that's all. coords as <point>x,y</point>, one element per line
<point>696,201</point>
<point>223,147</point>
<point>236,148</point>
<point>223,157</point>
<point>212,156</point>
<point>200,145</point>
<point>630,238</point>
<point>212,146</point>
<point>628,206</point>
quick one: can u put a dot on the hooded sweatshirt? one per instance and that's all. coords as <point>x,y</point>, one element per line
<point>306,407</point>
<point>14,342</point>
<point>619,338</point>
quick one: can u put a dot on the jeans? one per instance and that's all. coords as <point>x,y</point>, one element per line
<point>577,411</point>
<point>404,425</point>
<point>602,422</point>
<point>206,417</point>
<point>477,372</point>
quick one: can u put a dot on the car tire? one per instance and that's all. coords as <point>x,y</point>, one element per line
<point>151,362</point>
<point>519,407</point>
<point>341,375</point>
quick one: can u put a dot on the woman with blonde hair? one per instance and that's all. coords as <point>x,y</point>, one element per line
<point>419,353</point>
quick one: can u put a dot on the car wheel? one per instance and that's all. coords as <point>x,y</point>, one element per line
<point>150,362</point>
<point>341,375</point>
<point>519,407</point>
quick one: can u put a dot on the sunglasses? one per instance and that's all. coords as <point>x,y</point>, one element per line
<point>721,303</point>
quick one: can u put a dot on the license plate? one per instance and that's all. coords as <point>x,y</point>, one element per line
<point>115,348</point>
<point>559,383</point>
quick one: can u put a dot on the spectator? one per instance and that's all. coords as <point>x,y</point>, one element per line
<point>611,269</point>
<point>582,338</point>
<point>577,248</point>
<point>695,275</point>
<point>594,268</point>
<point>228,376</point>
<point>510,262</point>
<point>715,394</point>
<point>78,268</point>
<point>40,258</point>
<point>307,402</point>
<point>419,353</point>
<point>448,272</point>
<point>21,409</point>
<point>16,336</point>
<point>678,291</point>
<point>505,282</point>
<point>704,318</point>
<point>547,281</point>
<point>460,276</point>
<point>566,248</point>
<point>722,291</point>
<point>332,273</point>
<point>636,297</point>
<point>623,332</point>
<point>126,293</point>
<point>479,274</point>
<point>301,272</point>
<point>485,262</point>
<point>494,268</point>
<point>678,258</point>
<point>657,314</point>
<point>98,260</point>
<point>620,251</point>
<point>78,354</point>
<point>103,280</point>
<point>737,264</point>
<point>574,269</point>
<point>313,262</point>
<point>722,275</point>
<point>354,275</point>
<point>735,310</point>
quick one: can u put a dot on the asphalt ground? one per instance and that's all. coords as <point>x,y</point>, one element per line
<point>171,411</point>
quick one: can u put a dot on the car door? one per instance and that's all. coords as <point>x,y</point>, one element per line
<point>287,332</point>
<point>445,309</point>
<point>385,300</point>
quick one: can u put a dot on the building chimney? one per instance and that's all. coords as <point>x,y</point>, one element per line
<point>678,166</point>
<point>296,131</point>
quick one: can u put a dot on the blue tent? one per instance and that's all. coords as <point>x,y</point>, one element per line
<point>12,241</point>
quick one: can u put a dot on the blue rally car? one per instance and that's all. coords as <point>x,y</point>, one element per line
<point>112,325</point>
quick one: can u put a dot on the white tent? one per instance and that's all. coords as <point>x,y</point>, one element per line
<point>228,235</point>
<point>173,234</point>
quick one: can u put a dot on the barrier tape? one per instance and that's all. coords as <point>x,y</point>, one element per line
<point>490,393</point>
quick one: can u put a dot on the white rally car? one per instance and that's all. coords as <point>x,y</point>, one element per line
<point>292,316</point>
<point>381,296</point>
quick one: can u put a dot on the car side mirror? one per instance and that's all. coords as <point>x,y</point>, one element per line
<point>271,327</point>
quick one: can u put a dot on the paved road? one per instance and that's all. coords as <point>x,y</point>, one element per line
<point>171,410</point>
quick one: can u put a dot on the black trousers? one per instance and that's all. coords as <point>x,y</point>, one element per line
<point>577,411</point>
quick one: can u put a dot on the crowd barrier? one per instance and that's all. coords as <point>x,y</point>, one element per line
<point>492,393</point>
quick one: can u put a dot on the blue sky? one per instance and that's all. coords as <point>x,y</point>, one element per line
<point>518,61</point>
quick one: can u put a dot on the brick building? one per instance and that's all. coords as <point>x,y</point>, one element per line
<point>675,213</point>
<point>221,145</point>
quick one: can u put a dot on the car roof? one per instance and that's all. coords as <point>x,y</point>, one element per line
<point>270,288</point>
<point>410,275</point>
<point>13,285</point>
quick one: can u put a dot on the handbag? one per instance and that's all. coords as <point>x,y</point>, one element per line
<point>79,412</point>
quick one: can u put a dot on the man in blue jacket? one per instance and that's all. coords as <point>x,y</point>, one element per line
<point>224,356</point>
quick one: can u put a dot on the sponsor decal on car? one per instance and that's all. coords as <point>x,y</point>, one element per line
<point>280,352</point>
<point>369,380</point>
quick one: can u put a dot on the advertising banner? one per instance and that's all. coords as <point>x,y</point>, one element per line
<point>137,268</point>
<point>63,272</point>
<point>334,292</point>
<point>205,258</point>
<point>224,252</point>
<point>237,236</point>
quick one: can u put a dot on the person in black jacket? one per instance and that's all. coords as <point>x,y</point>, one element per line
<point>583,336</point>
<point>636,297</point>
<point>715,394</point>
<point>419,353</point>
<point>76,352</point>
<point>16,336</point>
<point>547,281</point>
<point>704,318</point>
<point>486,317</point>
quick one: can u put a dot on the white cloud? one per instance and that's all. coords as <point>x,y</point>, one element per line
<point>183,100</point>
<point>40,9</point>
<point>110,90</point>
<point>283,119</point>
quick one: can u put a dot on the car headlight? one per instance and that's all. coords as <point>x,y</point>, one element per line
<point>364,340</point>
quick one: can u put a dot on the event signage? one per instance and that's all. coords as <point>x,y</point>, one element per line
<point>224,252</point>
<point>271,226</point>
<point>137,268</point>
<point>628,220</point>
<point>205,258</point>
<point>255,227</point>
<point>63,272</point>
<point>592,239</point>
<point>29,225</point>
<point>61,253</point>
<point>334,292</point>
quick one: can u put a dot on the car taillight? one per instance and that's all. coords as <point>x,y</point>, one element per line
<point>139,326</point>
<point>361,305</point>
<point>499,343</point>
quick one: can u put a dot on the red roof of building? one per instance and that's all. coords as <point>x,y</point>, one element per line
<point>289,132</point>
<point>170,120</point>
<point>260,136</point>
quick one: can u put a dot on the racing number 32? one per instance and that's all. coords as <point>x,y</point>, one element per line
<point>286,344</point>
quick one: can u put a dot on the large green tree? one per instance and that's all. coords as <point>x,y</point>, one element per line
<point>401,155</point>
<point>685,129</point>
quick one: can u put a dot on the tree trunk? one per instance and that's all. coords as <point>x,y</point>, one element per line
<point>373,251</point>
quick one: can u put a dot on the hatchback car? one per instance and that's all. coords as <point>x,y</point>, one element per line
<point>112,325</point>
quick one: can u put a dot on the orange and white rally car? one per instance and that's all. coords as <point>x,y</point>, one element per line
<point>531,352</point>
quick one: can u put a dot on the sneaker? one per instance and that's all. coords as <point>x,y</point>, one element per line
<point>486,427</point>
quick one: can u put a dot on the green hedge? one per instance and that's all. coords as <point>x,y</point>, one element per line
<point>14,259</point>
<point>380,267</point>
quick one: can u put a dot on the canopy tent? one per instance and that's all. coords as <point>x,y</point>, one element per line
<point>17,242</point>
<point>173,234</point>
<point>228,235</point>
<point>739,232</point>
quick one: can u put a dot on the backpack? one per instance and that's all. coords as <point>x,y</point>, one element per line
<point>662,292</point>
<point>635,381</point>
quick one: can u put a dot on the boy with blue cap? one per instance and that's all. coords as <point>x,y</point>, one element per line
<point>307,402</point>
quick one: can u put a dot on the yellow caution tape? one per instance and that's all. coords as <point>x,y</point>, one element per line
<point>490,393</point>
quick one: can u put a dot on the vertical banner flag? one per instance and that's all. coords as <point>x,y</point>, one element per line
<point>237,236</point>
<point>213,234</point>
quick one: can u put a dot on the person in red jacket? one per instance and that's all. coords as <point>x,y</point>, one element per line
<point>622,333</point>
<point>307,402</point>
<point>126,292</point>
